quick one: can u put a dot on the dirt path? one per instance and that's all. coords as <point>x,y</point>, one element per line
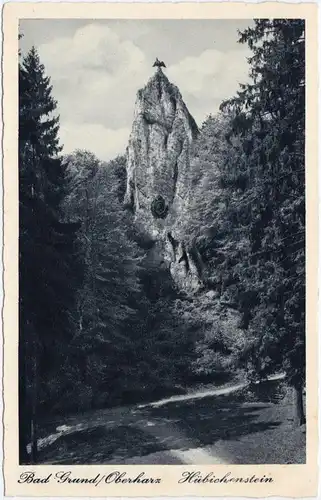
<point>218,426</point>
<point>97,418</point>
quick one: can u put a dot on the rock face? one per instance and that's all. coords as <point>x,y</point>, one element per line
<point>158,164</point>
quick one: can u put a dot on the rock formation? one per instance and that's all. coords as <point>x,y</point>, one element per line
<point>158,163</point>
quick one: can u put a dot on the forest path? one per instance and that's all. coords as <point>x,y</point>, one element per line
<point>233,427</point>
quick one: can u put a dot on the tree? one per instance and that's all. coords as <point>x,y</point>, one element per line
<point>267,197</point>
<point>247,218</point>
<point>46,280</point>
<point>107,296</point>
<point>131,342</point>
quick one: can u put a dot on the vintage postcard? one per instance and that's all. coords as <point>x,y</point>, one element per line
<point>160,249</point>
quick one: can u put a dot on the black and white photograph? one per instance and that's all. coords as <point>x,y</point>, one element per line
<point>162,241</point>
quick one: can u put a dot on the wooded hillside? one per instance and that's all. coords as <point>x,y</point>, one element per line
<point>102,322</point>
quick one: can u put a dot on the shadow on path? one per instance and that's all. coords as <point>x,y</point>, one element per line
<point>179,425</point>
<point>210,419</point>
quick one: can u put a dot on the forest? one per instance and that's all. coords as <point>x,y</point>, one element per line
<point>101,324</point>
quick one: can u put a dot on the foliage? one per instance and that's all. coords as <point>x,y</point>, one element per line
<point>46,269</point>
<point>268,115</point>
<point>128,342</point>
<point>101,321</point>
<point>248,215</point>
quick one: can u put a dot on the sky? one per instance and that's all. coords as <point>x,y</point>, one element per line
<point>97,66</point>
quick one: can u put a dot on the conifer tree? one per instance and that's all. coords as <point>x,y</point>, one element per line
<point>247,219</point>
<point>45,246</point>
<point>266,197</point>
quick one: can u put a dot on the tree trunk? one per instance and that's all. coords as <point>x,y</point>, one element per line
<point>34,404</point>
<point>24,421</point>
<point>34,444</point>
<point>299,417</point>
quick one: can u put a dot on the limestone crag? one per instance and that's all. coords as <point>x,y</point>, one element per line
<point>158,164</point>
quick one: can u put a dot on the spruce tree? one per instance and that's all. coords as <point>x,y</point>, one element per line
<point>266,194</point>
<point>247,219</point>
<point>45,247</point>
